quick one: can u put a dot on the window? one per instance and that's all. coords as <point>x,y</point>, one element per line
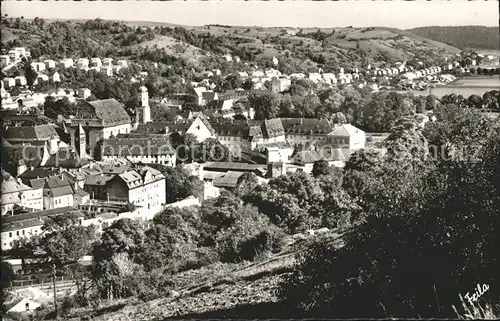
<point>17,233</point>
<point>23,232</point>
<point>10,234</point>
<point>27,306</point>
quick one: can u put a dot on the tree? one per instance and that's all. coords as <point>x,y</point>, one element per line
<point>8,274</point>
<point>65,241</point>
<point>246,183</point>
<point>289,201</point>
<point>232,81</point>
<point>29,73</point>
<point>320,167</point>
<point>179,183</point>
<point>265,104</point>
<point>384,109</point>
<point>120,244</point>
<point>397,274</point>
<point>210,150</point>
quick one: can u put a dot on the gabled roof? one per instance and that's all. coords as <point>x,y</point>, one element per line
<point>229,180</point>
<point>38,172</point>
<point>66,158</point>
<point>209,95</point>
<point>12,186</point>
<point>205,121</point>
<point>110,111</point>
<point>99,179</point>
<point>199,91</point>
<point>153,127</point>
<point>56,186</point>
<point>40,214</point>
<point>273,128</point>
<point>136,178</point>
<point>232,129</point>
<point>231,166</point>
<point>346,130</point>
<point>30,155</point>
<point>29,133</point>
<point>311,126</point>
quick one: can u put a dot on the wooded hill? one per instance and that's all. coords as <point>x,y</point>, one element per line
<point>299,50</point>
<point>463,37</point>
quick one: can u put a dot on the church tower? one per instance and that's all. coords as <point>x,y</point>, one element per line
<point>146,110</point>
<point>80,142</point>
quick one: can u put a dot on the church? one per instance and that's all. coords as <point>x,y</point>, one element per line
<point>102,119</point>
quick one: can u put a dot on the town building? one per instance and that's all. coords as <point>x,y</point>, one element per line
<point>66,63</point>
<point>4,60</point>
<point>15,227</point>
<point>14,192</point>
<point>95,62</point>
<point>82,63</point>
<point>83,93</point>
<point>18,304</point>
<point>146,150</point>
<point>101,119</point>
<point>49,64</point>
<point>42,78</point>
<point>144,187</point>
<point>279,85</point>
<point>38,66</point>
<point>20,81</point>
<point>122,63</point>
<point>8,82</point>
<point>39,134</point>
<point>55,77</point>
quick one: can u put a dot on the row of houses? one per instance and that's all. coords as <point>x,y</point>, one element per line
<point>14,55</point>
<point>27,99</point>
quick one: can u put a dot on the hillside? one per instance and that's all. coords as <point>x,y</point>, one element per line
<point>299,50</point>
<point>220,290</point>
<point>463,37</point>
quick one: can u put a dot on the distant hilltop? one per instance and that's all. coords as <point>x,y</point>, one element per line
<point>463,37</point>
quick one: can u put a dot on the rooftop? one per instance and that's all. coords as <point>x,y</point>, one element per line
<point>29,133</point>
<point>110,111</point>
<point>40,214</point>
<point>230,166</point>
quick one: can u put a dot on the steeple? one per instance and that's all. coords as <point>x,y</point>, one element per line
<point>81,143</point>
<point>146,110</point>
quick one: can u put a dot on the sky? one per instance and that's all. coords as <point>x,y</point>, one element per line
<point>324,14</point>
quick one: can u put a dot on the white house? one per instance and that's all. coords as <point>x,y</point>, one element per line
<point>107,61</point>
<point>66,63</point>
<point>42,78</point>
<point>122,63</point>
<point>83,93</point>
<point>20,81</point>
<point>19,304</point>
<point>146,150</point>
<point>49,63</point>
<point>280,84</point>
<point>15,227</point>
<point>82,63</point>
<point>8,82</point>
<point>201,128</point>
<point>4,60</point>
<point>56,77</point>
<point>95,62</point>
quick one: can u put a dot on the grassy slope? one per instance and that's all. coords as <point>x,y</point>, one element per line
<point>464,37</point>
